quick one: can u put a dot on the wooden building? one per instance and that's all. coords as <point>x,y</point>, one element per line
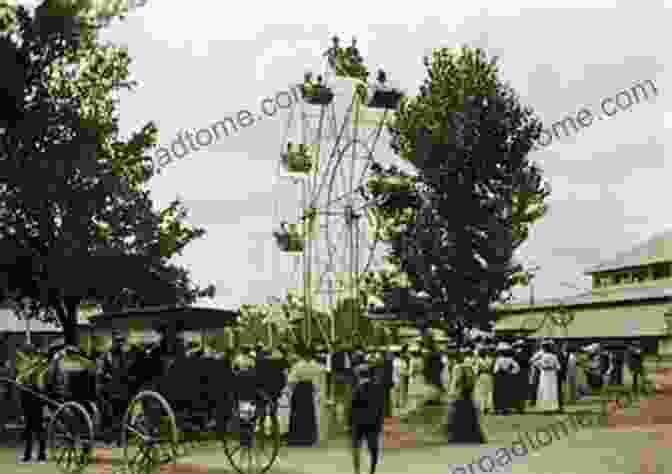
<point>630,299</point>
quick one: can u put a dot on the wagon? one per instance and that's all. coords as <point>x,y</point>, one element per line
<point>170,402</point>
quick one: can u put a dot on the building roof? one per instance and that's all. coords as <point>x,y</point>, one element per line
<point>654,250</point>
<point>185,318</point>
<point>601,296</point>
<point>594,322</point>
<point>619,312</point>
<point>9,322</point>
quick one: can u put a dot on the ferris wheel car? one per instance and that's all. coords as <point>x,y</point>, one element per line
<point>385,97</point>
<point>316,92</point>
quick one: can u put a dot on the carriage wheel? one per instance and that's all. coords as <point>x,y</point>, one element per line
<point>149,435</point>
<point>71,437</point>
<point>94,413</point>
<point>252,440</point>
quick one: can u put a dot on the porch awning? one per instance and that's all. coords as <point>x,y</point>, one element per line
<point>183,318</point>
<point>616,321</point>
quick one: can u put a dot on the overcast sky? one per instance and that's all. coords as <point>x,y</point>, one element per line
<point>200,61</point>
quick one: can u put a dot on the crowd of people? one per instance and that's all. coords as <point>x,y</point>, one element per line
<point>357,388</point>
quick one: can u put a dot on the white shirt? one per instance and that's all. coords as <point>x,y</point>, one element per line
<point>547,362</point>
<point>506,365</point>
<point>536,356</point>
<point>397,366</point>
<point>445,373</point>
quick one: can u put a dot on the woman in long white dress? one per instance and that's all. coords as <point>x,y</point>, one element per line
<point>483,366</point>
<point>549,366</point>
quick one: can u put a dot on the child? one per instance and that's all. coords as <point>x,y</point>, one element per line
<point>366,416</point>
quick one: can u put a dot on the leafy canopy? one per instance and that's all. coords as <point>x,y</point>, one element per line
<point>473,196</point>
<point>77,224</point>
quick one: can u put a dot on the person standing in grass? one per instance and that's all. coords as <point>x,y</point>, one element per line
<point>33,374</point>
<point>463,421</point>
<point>572,376</point>
<point>523,385</point>
<point>405,377</point>
<point>341,368</point>
<point>305,407</point>
<point>416,386</point>
<point>549,366</point>
<point>506,371</point>
<point>636,366</point>
<point>561,354</point>
<point>483,391</point>
<point>366,416</point>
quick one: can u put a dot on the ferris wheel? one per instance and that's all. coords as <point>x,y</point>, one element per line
<point>328,235</point>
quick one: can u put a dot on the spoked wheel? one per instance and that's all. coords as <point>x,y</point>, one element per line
<point>252,440</point>
<point>71,438</point>
<point>94,414</point>
<point>149,435</point>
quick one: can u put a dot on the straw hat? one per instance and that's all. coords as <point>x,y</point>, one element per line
<point>592,348</point>
<point>503,346</point>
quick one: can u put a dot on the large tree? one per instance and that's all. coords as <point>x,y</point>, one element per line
<point>456,225</point>
<point>77,224</point>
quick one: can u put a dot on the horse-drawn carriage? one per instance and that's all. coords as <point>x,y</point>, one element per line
<point>170,399</point>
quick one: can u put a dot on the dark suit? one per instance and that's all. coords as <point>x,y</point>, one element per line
<point>636,366</point>
<point>618,359</point>
<point>33,413</point>
<point>562,376</point>
<point>366,417</point>
<point>522,357</point>
<point>388,382</point>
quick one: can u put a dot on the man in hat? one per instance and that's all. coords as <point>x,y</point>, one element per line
<point>272,368</point>
<point>366,416</point>
<point>388,381</point>
<point>572,380</point>
<point>506,370</point>
<point>111,373</point>
<point>116,358</point>
<point>595,379</point>
<point>342,376</point>
<point>522,357</point>
<point>636,365</point>
<point>33,406</point>
<point>433,368</point>
<point>405,376</point>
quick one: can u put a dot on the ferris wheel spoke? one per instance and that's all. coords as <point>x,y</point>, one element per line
<point>345,240</point>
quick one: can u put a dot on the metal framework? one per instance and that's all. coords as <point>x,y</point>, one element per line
<point>327,207</point>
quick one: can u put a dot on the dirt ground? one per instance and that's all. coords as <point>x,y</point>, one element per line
<point>654,416</point>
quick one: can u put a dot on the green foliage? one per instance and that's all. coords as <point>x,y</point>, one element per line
<point>476,194</point>
<point>298,161</point>
<point>77,224</point>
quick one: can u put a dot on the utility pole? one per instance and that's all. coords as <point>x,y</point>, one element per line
<point>531,275</point>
